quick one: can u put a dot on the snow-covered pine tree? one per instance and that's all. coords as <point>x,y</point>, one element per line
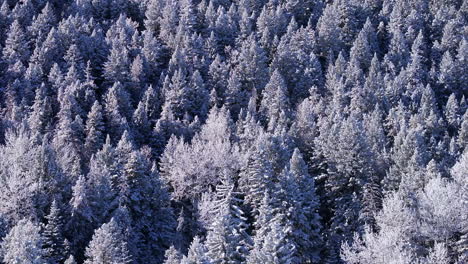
<point>94,130</point>
<point>172,256</point>
<point>274,98</point>
<point>197,253</point>
<point>308,220</point>
<point>53,237</point>
<point>227,240</point>
<point>23,244</point>
<point>14,49</point>
<point>108,245</point>
<point>272,242</point>
<point>142,192</point>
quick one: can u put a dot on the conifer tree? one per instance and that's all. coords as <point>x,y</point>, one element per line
<point>274,97</point>
<point>23,244</point>
<point>252,66</point>
<point>14,49</point>
<point>463,131</point>
<point>141,124</point>
<point>154,54</point>
<point>188,18</point>
<point>390,242</point>
<point>42,24</point>
<point>172,256</point>
<point>452,112</point>
<point>153,14</point>
<point>257,175</point>
<point>168,22</point>
<point>398,53</point>
<point>53,236</point>
<point>272,242</point>
<point>218,73</point>
<point>309,223</point>
<point>329,35</point>
<point>117,109</point>
<point>42,112</point>
<point>360,103</point>
<point>22,177</point>
<point>235,97</point>
<point>196,254</point>
<point>361,51</point>
<point>141,191</point>
<point>198,95</point>
<point>94,130</point>
<point>227,239</point>
<point>417,72</point>
<point>176,92</point>
<point>108,245</point>
<point>117,66</point>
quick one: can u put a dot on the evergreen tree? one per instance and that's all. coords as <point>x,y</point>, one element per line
<point>463,131</point>
<point>398,52</point>
<point>452,112</point>
<point>329,35</point>
<point>141,191</point>
<point>274,98</point>
<point>218,73</point>
<point>271,242</point>
<point>212,107</point>
<point>345,179</point>
<point>227,240</point>
<point>154,55</point>
<point>42,113</point>
<point>23,244</point>
<point>307,225</point>
<point>448,77</point>
<point>176,93</point>
<point>117,109</point>
<point>172,256</point>
<point>153,14</point>
<point>53,236</point>
<point>117,66</point>
<point>168,22</point>
<point>141,124</point>
<point>152,103</point>
<point>94,198</point>
<point>15,43</point>
<point>196,254</point>
<point>417,72</point>
<point>457,172</point>
<point>235,97</point>
<point>108,245</point>
<point>438,254</point>
<point>257,175</point>
<point>252,66</point>
<point>390,242</point>
<point>462,61</point>
<point>24,176</point>
<point>296,60</point>
<point>42,23</point>
<point>361,52</point>
<point>198,96</point>
<point>188,18</point>
<point>94,130</point>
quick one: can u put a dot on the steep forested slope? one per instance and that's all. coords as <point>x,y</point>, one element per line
<point>233,131</point>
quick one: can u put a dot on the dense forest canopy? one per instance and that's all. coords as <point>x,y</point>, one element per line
<point>233,131</point>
